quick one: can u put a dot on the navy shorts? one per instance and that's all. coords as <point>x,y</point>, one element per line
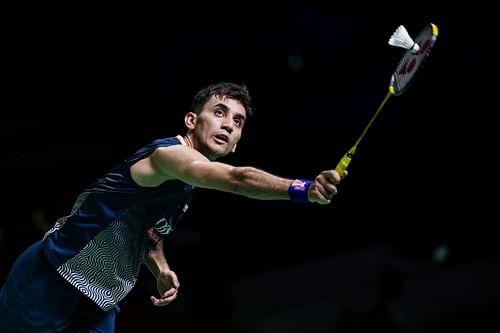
<point>35,298</point>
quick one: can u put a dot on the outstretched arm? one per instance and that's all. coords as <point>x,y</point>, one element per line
<point>166,279</point>
<point>190,166</point>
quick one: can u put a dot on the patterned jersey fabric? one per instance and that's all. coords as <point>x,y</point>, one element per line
<point>100,246</point>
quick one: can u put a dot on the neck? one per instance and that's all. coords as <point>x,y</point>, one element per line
<point>185,140</point>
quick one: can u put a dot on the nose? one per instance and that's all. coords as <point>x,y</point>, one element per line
<point>228,126</point>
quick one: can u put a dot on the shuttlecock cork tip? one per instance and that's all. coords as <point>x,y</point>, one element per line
<point>401,38</point>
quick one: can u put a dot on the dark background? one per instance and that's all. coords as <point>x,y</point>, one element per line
<point>83,86</point>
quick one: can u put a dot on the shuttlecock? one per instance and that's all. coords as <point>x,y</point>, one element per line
<point>401,38</point>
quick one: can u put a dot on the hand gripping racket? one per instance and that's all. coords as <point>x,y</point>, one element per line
<point>417,51</point>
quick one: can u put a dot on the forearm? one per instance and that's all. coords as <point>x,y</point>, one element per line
<point>156,261</point>
<point>258,184</point>
<point>192,168</point>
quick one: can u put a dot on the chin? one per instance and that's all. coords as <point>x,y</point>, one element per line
<point>215,154</point>
<point>220,151</point>
<point>221,154</point>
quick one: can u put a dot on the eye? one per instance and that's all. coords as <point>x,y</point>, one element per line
<point>219,113</point>
<point>238,122</point>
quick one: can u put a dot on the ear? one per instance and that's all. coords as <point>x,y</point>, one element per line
<point>234,148</point>
<point>190,120</point>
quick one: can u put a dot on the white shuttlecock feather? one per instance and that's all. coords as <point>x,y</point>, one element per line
<point>401,38</point>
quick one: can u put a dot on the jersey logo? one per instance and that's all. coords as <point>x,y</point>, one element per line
<point>163,227</point>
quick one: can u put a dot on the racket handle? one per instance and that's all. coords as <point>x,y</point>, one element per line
<point>345,160</point>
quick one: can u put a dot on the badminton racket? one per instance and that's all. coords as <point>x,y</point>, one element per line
<point>417,51</point>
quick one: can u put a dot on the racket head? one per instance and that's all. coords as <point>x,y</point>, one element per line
<point>411,62</point>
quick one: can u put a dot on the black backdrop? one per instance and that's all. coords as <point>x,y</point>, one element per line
<point>82,87</point>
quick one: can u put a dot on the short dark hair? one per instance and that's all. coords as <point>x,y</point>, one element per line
<point>235,91</point>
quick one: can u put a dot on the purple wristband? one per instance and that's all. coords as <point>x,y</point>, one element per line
<point>297,191</point>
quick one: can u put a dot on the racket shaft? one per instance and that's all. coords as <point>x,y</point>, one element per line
<point>346,159</point>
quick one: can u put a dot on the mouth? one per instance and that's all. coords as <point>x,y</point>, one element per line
<point>222,138</point>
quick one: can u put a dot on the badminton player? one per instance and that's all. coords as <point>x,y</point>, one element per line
<point>74,278</point>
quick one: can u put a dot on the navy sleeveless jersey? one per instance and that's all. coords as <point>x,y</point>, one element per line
<point>100,246</point>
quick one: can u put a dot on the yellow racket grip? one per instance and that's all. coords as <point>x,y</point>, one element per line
<point>344,161</point>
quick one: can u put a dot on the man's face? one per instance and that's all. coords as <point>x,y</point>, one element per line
<point>218,127</point>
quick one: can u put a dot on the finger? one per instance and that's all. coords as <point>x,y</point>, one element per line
<point>169,292</point>
<point>154,300</point>
<point>159,301</point>
<point>334,177</point>
<point>331,190</point>
<point>174,281</point>
<point>327,189</point>
<point>163,300</point>
<point>320,195</point>
<point>330,176</point>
